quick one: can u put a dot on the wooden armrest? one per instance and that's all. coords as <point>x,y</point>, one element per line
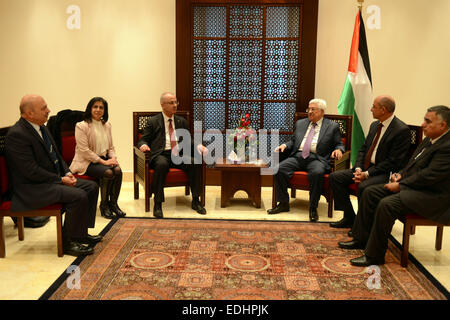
<point>341,164</point>
<point>142,155</point>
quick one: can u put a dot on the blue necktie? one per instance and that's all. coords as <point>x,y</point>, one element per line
<point>50,149</point>
<point>307,147</point>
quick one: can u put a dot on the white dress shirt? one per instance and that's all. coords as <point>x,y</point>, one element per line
<point>385,124</point>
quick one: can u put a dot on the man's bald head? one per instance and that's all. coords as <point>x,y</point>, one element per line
<point>34,109</point>
<point>388,102</point>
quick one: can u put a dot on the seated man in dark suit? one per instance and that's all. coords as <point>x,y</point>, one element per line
<point>422,187</point>
<point>160,139</point>
<point>315,139</point>
<point>40,177</point>
<point>384,151</point>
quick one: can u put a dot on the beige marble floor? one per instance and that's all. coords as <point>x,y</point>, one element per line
<point>31,266</point>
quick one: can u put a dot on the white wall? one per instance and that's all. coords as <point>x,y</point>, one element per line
<point>125,52</point>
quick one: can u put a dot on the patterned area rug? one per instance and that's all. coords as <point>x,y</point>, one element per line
<point>174,259</point>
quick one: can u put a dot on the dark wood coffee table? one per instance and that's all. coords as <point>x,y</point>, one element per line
<point>240,176</point>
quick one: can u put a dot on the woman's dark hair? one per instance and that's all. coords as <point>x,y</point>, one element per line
<point>88,112</point>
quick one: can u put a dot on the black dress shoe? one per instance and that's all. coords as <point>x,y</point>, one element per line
<point>35,222</point>
<point>281,207</point>
<point>313,216</point>
<point>105,211</point>
<point>114,208</point>
<point>353,244</point>
<point>74,248</point>
<point>157,210</point>
<point>343,223</point>
<point>198,207</point>
<point>365,261</point>
<point>90,240</point>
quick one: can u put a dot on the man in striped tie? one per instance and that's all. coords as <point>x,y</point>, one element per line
<point>40,177</point>
<point>385,150</point>
<point>160,140</point>
<point>314,141</point>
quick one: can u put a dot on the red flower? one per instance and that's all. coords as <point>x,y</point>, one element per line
<point>247,116</point>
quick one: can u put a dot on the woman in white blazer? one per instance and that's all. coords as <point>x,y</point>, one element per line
<point>95,155</point>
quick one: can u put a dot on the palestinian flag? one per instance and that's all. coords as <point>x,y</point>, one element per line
<point>356,98</point>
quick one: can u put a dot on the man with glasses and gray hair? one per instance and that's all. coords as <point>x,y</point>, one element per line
<point>160,139</point>
<point>314,141</point>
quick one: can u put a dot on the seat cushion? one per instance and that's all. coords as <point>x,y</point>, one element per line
<point>299,180</point>
<point>7,206</point>
<point>85,177</point>
<point>174,177</point>
<point>353,189</point>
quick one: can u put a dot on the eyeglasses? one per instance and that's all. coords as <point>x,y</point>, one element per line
<point>174,103</point>
<point>312,109</point>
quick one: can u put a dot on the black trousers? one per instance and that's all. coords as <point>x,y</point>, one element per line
<point>80,203</point>
<point>315,168</point>
<point>378,210</point>
<point>339,182</point>
<point>162,163</point>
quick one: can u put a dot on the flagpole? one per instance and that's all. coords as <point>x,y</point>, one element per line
<point>360,4</point>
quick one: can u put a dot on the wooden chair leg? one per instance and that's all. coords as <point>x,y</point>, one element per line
<point>330,207</point>
<point>2,239</point>
<point>439,234</point>
<point>406,234</point>
<point>136,190</point>
<point>21,228</point>
<point>274,201</point>
<point>59,237</point>
<point>293,192</point>
<point>147,195</point>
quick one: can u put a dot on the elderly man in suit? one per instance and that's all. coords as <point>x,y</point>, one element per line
<point>384,151</point>
<point>421,187</point>
<point>315,139</point>
<point>40,177</point>
<point>160,139</point>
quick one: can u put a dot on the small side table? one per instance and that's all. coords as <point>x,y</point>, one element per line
<point>240,176</point>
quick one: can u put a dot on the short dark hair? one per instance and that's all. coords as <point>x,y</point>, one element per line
<point>442,112</point>
<point>88,112</point>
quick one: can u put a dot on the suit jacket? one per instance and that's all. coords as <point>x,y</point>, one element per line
<point>425,183</point>
<point>392,152</point>
<point>329,139</point>
<point>33,174</point>
<point>85,150</point>
<point>154,134</point>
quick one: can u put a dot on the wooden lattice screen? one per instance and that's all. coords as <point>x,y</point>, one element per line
<point>237,57</point>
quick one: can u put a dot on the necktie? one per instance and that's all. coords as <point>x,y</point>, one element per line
<point>50,149</point>
<point>307,147</point>
<point>413,159</point>
<point>173,140</point>
<point>372,147</point>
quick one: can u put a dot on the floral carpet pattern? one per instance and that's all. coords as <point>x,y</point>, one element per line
<point>175,259</point>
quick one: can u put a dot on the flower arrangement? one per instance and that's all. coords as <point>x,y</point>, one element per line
<point>245,133</point>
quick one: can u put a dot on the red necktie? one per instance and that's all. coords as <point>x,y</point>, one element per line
<point>372,147</point>
<point>173,140</point>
